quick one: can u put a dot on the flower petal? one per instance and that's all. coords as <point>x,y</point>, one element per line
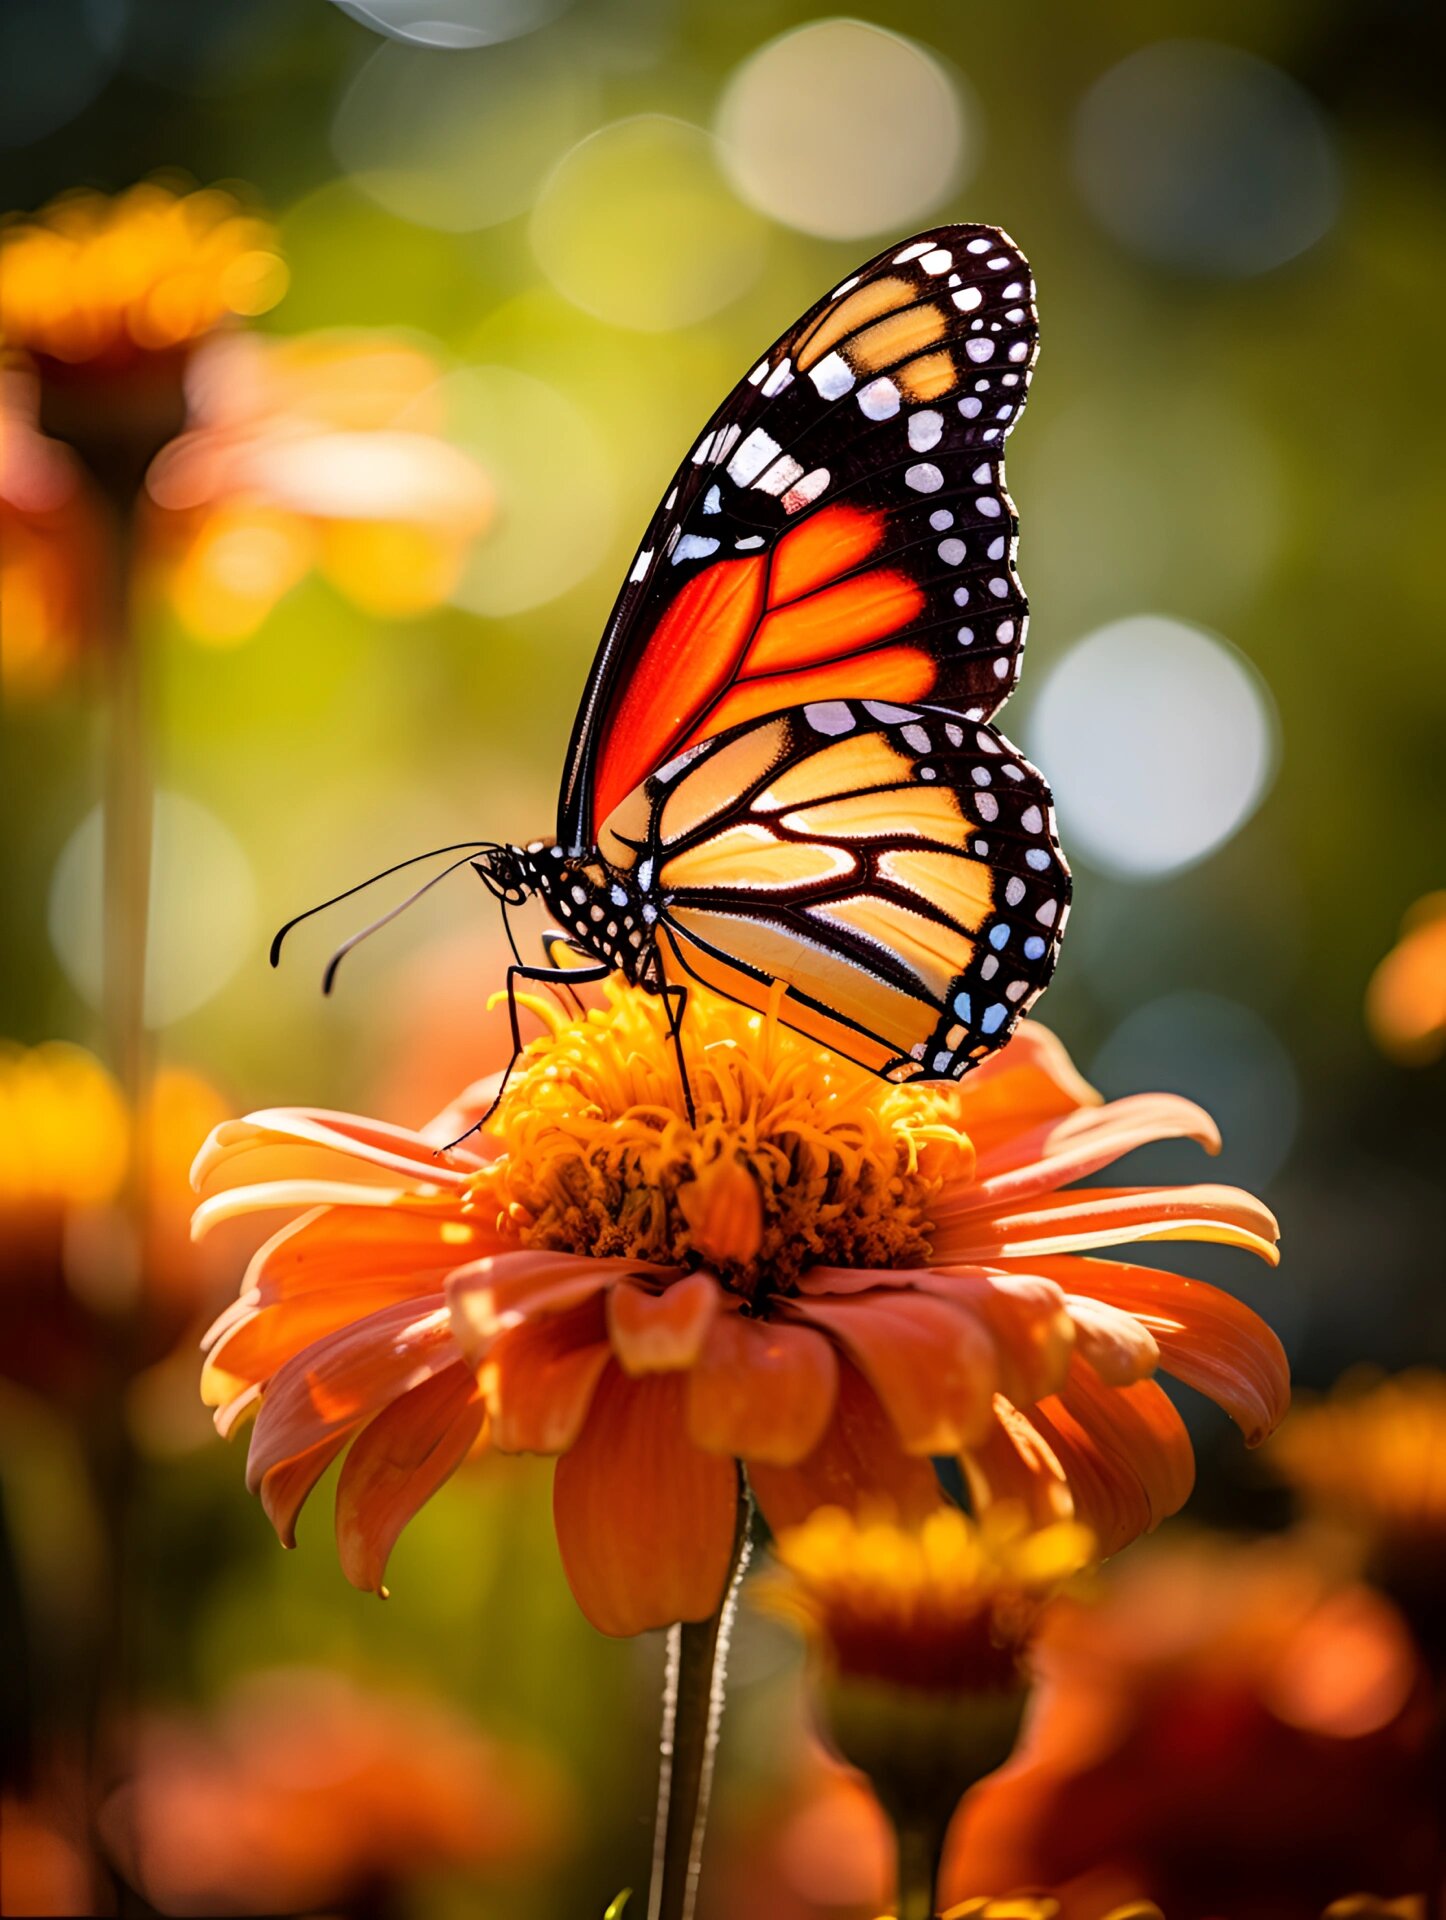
<point>859,1464</point>
<point>491,1295</point>
<point>1118,1346</point>
<point>335,1246</point>
<point>645,1520</point>
<point>932,1364</point>
<point>285,1487</point>
<point>1206,1337</point>
<point>1050,1156</point>
<point>1124,1450</point>
<point>1033,1333</point>
<point>761,1390</point>
<point>1112,1216</point>
<point>397,1463</point>
<point>259,1342</point>
<point>236,1201</point>
<point>346,1377</point>
<point>271,1139</point>
<point>540,1376</point>
<point>1026,1083</point>
<point>1014,1463</point>
<point>663,1332</point>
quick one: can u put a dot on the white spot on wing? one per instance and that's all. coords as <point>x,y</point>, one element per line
<point>879,400</point>
<point>694,546</point>
<point>641,564</point>
<point>924,478</point>
<point>833,376</point>
<point>925,430</point>
<point>829,716</point>
<point>752,457</point>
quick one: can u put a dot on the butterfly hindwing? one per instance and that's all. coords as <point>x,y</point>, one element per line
<point>894,869</point>
<point>840,530</point>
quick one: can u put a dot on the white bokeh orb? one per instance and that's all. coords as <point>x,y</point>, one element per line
<point>203,909</point>
<point>841,128</point>
<point>1159,741</point>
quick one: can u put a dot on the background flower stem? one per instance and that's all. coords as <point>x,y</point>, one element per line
<point>693,1695</point>
<point>128,813</point>
<point>920,1850</point>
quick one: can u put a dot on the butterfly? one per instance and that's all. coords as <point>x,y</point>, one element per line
<point>783,782</point>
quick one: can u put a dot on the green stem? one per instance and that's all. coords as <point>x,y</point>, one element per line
<point>128,810</point>
<point>693,1695</point>
<point>920,1851</point>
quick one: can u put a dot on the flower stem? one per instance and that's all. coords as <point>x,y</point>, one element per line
<point>693,1694</point>
<point>128,806</point>
<point>921,1849</point>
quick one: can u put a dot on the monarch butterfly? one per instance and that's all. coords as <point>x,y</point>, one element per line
<point>783,781</point>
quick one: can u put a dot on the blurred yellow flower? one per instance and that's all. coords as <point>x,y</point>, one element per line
<point>93,279</point>
<point>322,451</point>
<point>947,1604</point>
<point>1406,998</point>
<point>72,1264</point>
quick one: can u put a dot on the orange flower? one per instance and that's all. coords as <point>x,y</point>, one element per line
<point>909,1281</point>
<point>1371,1459</point>
<point>50,547</point>
<point>1406,999</point>
<point>325,450</point>
<point>71,1273</point>
<point>101,281</point>
<point>1231,1731</point>
<point>302,1793</point>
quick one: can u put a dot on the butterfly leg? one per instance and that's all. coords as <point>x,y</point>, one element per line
<point>675,999</point>
<point>541,976</point>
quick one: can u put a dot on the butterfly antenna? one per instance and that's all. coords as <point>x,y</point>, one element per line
<point>386,918</point>
<point>470,846</point>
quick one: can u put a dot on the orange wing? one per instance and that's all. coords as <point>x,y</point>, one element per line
<point>842,529</point>
<point>893,870</point>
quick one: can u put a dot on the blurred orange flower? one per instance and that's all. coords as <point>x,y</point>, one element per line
<point>51,548</point>
<point>325,450</point>
<point>1406,998</point>
<point>72,1271</point>
<point>98,280</point>
<point>302,1792</point>
<point>1371,1459</point>
<point>829,1277</point>
<point>1232,1731</point>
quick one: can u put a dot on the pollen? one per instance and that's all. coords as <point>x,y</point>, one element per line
<point>794,1157</point>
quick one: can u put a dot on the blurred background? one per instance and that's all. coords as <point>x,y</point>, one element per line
<point>520,250</point>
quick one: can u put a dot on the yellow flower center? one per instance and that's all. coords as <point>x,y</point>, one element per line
<point>794,1158</point>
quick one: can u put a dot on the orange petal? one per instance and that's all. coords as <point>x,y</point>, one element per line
<point>859,1464</point>
<point>645,1520</point>
<point>1111,1216</point>
<point>1026,1083</point>
<point>539,1378</point>
<point>258,1343</point>
<point>1033,1333</point>
<point>1014,1462</point>
<point>347,1377</point>
<point>1206,1338</point>
<point>761,1390</point>
<point>1117,1345</point>
<point>397,1463</point>
<point>931,1363</point>
<point>334,1145</point>
<point>1046,1157</point>
<point>268,1195</point>
<point>1124,1450</point>
<point>498,1292</point>
<point>661,1332</point>
<point>284,1488</point>
<point>332,1246</point>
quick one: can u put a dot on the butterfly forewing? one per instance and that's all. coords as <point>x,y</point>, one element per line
<point>895,870</point>
<point>840,530</point>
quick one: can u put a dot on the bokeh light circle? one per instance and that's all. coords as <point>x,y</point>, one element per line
<point>203,911</point>
<point>555,489</point>
<point>456,24</point>
<point>1206,159</point>
<point>459,141</point>
<point>1159,741</point>
<point>1222,1055</point>
<point>637,226</point>
<point>841,129</point>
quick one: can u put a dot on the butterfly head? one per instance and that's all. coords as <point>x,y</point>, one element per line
<point>508,873</point>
